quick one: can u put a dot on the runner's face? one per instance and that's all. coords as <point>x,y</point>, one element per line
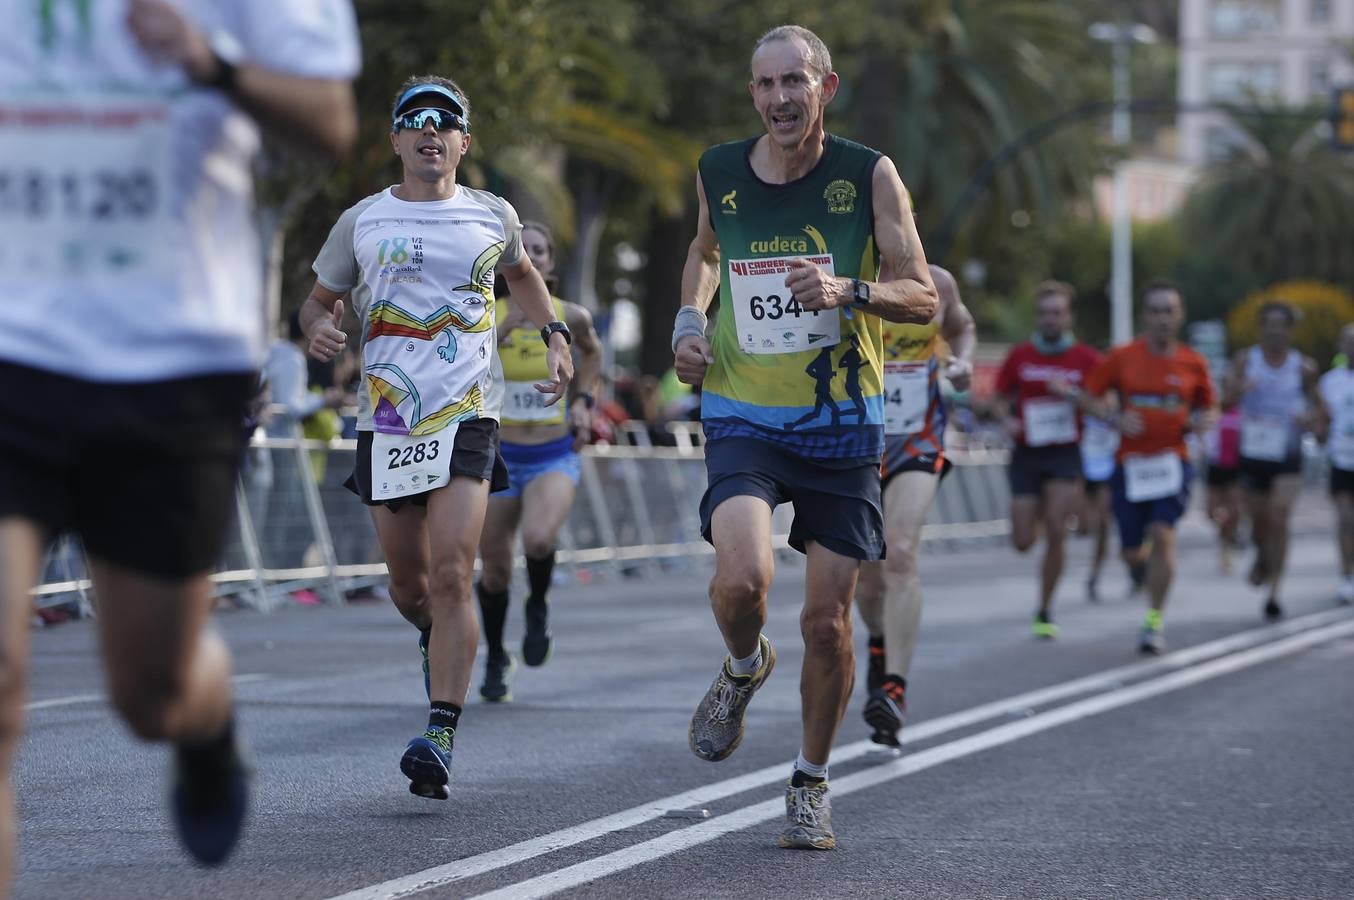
<point>788,97</point>
<point>429,154</point>
<point>538,249</point>
<point>1275,331</point>
<point>1163,315</point>
<point>1053,316</point>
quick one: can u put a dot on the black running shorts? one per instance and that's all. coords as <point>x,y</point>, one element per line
<point>836,502</point>
<point>475,455</point>
<point>1030,467</point>
<point>144,473</point>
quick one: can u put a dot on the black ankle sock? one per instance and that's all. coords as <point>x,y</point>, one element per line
<point>538,575</point>
<point>799,779</point>
<point>444,715</point>
<point>493,613</point>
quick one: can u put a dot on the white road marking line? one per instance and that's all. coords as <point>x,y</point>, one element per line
<point>1109,679</point>
<point>681,839</point>
<point>99,698</point>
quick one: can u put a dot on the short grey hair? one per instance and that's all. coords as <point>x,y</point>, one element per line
<point>820,60</point>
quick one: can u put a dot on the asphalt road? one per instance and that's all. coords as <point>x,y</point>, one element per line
<point>1225,769</point>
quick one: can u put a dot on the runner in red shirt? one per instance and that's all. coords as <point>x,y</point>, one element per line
<point>1164,391</point>
<point>1045,469</point>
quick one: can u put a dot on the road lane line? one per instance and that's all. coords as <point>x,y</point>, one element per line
<point>1109,679</point>
<point>693,835</point>
<point>99,698</point>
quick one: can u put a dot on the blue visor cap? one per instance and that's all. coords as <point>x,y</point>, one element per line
<point>419,90</point>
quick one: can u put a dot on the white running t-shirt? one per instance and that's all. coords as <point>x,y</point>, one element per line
<point>1337,392</point>
<point>130,249</point>
<point>421,277</point>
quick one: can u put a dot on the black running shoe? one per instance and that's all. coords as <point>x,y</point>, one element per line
<point>498,671</point>
<point>886,709</point>
<point>536,643</point>
<point>209,798</point>
<point>1273,611</point>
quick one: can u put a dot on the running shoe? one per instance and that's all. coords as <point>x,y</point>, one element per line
<point>498,671</point>
<point>886,710</point>
<point>424,635</point>
<point>1346,593</point>
<point>1043,626</point>
<point>874,665</point>
<point>808,810</point>
<point>1273,611</point>
<point>536,642</point>
<point>209,798</point>
<point>717,725</point>
<point>427,763</point>
<point>1151,641</point>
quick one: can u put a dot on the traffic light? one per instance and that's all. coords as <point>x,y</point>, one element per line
<point>1342,118</point>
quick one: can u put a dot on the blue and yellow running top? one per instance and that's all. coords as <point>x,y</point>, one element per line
<point>810,382</point>
<point>523,355</point>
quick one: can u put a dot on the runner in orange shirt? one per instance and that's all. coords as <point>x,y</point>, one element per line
<point>1164,390</point>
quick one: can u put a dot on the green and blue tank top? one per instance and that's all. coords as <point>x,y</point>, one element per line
<point>810,382</point>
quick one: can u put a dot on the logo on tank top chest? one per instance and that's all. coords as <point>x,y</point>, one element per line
<point>840,196</point>
<point>729,203</point>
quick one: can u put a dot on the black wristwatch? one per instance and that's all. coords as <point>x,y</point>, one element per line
<point>860,293</point>
<point>553,327</point>
<point>227,54</point>
<point>588,399</point>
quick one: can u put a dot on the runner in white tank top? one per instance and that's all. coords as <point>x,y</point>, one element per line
<point>1275,386</point>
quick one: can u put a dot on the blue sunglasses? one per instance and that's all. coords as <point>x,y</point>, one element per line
<point>441,119</point>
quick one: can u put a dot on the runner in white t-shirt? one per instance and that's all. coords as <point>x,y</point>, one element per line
<point>418,260</point>
<point>1337,408</point>
<point>130,331</point>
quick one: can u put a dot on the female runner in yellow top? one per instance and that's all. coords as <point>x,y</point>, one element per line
<point>539,443</point>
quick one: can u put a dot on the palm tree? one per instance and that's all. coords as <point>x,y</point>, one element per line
<point>1281,205</point>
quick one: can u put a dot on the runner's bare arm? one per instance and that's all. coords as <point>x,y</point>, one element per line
<point>957,327</point>
<point>310,114</point>
<point>529,294</point>
<point>587,344</point>
<point>904,291</point>
<point>1311,389</point>
<point>322,321</point>
<point>700,280</point>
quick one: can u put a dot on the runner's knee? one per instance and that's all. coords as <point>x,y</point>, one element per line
<point>409,591</point>
<point>825,629</point>
<point>537,542</point>
<point>450,580</point>
<point>743,583</point>
<point>902,558</point>
<point>495,573</point>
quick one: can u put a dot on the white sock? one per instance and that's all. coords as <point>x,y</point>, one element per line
<point>813,770</point>
<point>749,665</point>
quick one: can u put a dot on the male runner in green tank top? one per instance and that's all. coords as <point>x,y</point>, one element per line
<point>810,242</point>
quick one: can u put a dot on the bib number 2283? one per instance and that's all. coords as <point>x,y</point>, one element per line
<point>405,464</point>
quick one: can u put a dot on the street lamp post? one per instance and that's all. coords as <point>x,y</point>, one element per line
<point>1121,36</point>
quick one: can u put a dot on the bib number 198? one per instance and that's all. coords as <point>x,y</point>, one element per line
<point>407,456</point>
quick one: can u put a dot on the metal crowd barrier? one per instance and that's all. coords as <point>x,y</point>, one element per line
<point>298,529</point>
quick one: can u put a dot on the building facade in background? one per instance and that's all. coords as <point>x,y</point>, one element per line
<point>1288,52</point>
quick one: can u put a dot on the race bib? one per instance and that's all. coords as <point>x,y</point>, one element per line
<point>86,191</point>
<point>404,464</point>
<point>1341,449</point>
<point>907,396</point>
<point>1264,439</point>
<point>769,319</point>
<point>523,403</point>
<point>1153,477</point>
<point>1048,421</point>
